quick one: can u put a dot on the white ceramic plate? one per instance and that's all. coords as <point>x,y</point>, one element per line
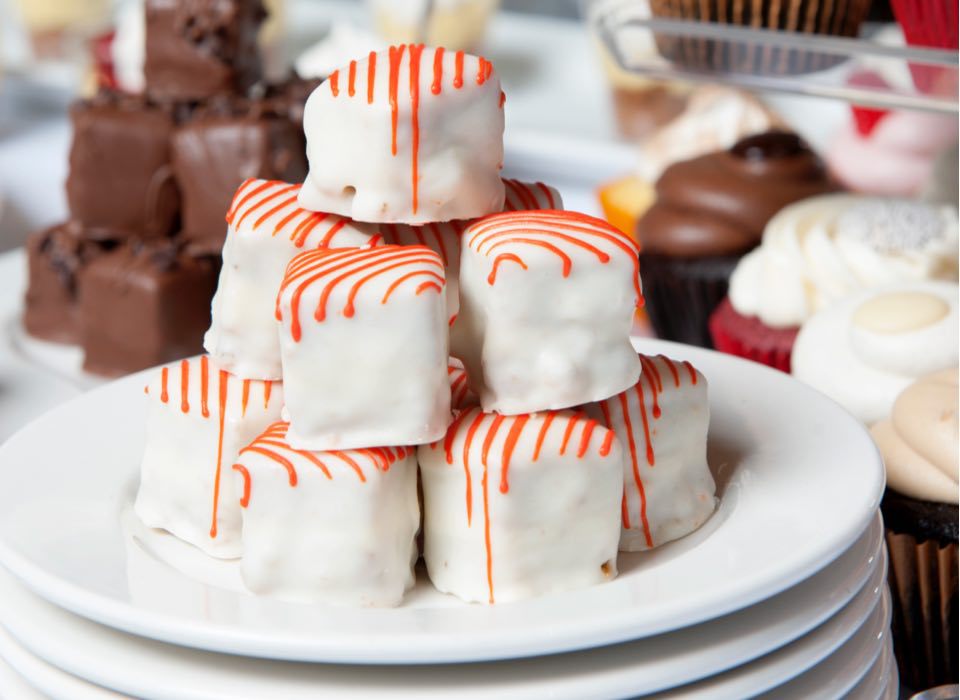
<point>26,390</point>
<point>146,668</point>
<point>826,663</point>
<point>801,479</point>
<point>35,679</point>
<point>643,666</point>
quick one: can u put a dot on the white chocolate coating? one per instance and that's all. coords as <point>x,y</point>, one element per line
<point>547,300</point>
<point>200,417</point>
<point>332,527</point>
<point>825,248</point>
<point>444,237</point>
<point>407,135</point>
<point>520,506</point>
<point>866,349</point>
<point>266,229</point>
<point>363,337</point>
<point>662,424</point>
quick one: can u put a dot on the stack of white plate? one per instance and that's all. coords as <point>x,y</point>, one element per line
<point>782,592</point>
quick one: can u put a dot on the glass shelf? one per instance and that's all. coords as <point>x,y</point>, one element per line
<point>815,65</point>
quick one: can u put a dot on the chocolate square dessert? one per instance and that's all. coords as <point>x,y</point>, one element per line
<point>144,304</point>
<point>120,182</point>
<point>199,48</point>
<point>220,148</point>
<point>55,257</point>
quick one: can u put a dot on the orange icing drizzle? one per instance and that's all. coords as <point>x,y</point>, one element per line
<point>245,396</point>
<point>244,194</point>
<point>164,373</point>
<point>551,204</point>
<point>458,70</point>
<point>511,443</point>
<point>265,199</point>
<point>475,420</point>
<point>352,79</point>
<point>267,389</point>
<point>503,100</point>
<point>184,385</point>
<point>224,378</point>
<point>272,444</point>
<point>204,386</point>
<point>245,498</point>
<point>334,81</point>
<point>484,70</point>
<point>551,229</point>
<point>396,55</point>
<point>504,257</point>
<point>437,84</point>
<point>319,265</point>
<point>654,380</point>
<point>415,51</point>
<point>371,73</point>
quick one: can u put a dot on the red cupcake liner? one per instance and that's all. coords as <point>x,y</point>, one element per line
<point>750,338</point>
<point>931,23</point>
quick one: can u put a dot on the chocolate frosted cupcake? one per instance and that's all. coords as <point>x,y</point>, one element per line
<point>919,446</point>
<point>710,211</point>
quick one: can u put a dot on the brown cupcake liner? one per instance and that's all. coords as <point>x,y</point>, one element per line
<point>681,293</point>
<point>923,584</point>
<point>833,17</point>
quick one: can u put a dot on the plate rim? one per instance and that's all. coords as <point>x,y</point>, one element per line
<point>853,615</point>
<point>407,648</point>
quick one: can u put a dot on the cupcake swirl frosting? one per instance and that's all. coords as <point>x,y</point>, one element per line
<point>819,250</point>
<point>919,440</point>
<point>863,351</point>
<point>718,204</point>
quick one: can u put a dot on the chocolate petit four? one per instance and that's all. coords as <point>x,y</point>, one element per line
<point>120,183</point>
<point>201,48</point>
<point>55,256</point>
<point>143,304</point>
<point>221,147</point>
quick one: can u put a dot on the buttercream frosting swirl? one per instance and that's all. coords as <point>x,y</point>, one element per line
<point>867,348</point>
<point>718,204</point>
<point>919,441</point>
<point>824,248</point>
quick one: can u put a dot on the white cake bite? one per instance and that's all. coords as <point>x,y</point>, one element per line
<point>547,300</point>
<point>334,527</point>
<point>661,422</point>
<point>199,417</point>
<point>444,237</point>
<point>363,337</point>
<point>520,506</point>
<point>266,228</point>
<point>410,135</point>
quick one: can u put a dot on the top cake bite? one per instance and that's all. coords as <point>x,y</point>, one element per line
<point>411,135</point>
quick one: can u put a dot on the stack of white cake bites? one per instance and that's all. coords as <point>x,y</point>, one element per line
<point>544,444</point>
